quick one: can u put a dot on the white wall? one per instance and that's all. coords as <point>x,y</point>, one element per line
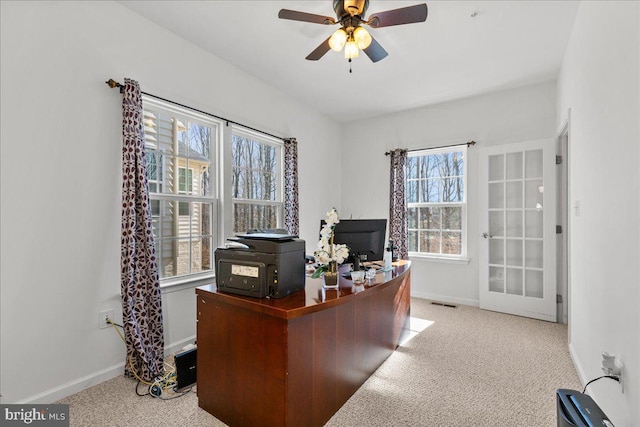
<point>599,84</point>
<point>60,142</point>
<point>516,115</point>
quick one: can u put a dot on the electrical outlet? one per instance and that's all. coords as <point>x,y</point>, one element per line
<point>612,365</point>
<point>103,316</point>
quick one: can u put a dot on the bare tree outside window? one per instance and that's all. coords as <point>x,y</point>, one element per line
<point>436,201</point>
<point>255,183</point>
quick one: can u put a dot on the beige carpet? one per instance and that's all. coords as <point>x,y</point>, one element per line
<point>470,367</point>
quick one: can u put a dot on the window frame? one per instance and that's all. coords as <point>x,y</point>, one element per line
<point>279,179</point>
<point>187,115</point>
<point>463,256</point>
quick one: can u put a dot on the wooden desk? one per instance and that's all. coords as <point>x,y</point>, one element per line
<point>295,361</point>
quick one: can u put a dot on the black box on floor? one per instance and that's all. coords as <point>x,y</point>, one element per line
<point>186,368</point>
<point>579,409</point>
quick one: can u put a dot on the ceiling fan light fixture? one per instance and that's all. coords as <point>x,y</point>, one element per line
<point>338,40</point>
<point>351,49</point>
<point>352,37</point>
<point>362,37</point>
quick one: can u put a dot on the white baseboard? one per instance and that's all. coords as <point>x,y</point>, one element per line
<point>75,386</point>
<point>576,363</point>
<point>178,345</point>
<point>445,298</point>
<point>83,383</point>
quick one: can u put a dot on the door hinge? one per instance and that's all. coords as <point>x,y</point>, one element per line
<point>558,160</point>
<point>558,229</point>
<point>559,299</point>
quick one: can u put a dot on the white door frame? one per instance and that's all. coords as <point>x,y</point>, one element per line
<point>562,219</point>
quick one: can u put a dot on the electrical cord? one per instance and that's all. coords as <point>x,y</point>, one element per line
<point>161,383</point>
<point>613,377</point>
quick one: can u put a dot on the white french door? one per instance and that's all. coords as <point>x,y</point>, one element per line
<point>517,225</point>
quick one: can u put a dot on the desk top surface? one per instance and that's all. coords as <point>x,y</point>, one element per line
<point>312,298</point>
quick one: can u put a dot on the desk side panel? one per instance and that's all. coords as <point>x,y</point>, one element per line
<point>240,364</point>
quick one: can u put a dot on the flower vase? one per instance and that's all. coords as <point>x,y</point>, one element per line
<point>330,277</point>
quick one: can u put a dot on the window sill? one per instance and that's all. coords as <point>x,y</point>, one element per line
<point>176,284</point>
<point>440,259</point>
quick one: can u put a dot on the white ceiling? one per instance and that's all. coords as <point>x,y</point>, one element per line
<point>450,56</point>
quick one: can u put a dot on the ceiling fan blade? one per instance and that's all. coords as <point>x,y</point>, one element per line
<point>319,51</point>
<point>305,17</point>
<point>405,15</point>
<point>375,52</point>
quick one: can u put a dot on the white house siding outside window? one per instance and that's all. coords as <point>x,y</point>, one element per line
<point>181,165</point>
<point>256,181</point>
<point>436,202</point>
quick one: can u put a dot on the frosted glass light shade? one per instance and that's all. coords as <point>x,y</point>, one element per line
<point>351,50</point>
<point>362,37</point>
<point>338,39</point>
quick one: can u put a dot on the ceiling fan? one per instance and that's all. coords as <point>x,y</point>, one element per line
<point>352,35</point>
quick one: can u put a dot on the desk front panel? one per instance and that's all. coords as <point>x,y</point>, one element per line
<point>258,366</point>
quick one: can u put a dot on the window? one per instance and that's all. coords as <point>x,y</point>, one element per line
<point>180,147</point>
<point>436,202</point>
<point>256,182</point>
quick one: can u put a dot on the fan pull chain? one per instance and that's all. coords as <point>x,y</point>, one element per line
<point>350,66</point>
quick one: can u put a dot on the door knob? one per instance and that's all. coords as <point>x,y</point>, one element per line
<point>486,235</point>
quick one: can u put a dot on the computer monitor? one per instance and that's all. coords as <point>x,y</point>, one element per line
<point>363,237</point>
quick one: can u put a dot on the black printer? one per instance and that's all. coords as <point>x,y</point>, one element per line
<point>261,265</point>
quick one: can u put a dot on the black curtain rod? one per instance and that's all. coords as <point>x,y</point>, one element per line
<point>113,84</point>
<point>468,144</point>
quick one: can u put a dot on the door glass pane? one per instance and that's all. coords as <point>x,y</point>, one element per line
<point>533,224</point>
<point>514,283</point>
<point>496,251</point>
<point>514,224</point>
<point>514,194</point>
<point>496,223</point>
<point>533,253</point>
<point>533,164</point>
<point>514,165</point>
<point>496,195</point>
<point>514,252</point>
<point>533,194</point>
<point>496,279</point>
<point>496,167</point>
<point>533,281</point>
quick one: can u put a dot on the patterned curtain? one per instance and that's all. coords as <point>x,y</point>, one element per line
<point>140,285</point>
<point>291,206</point>
<point>398,202</point>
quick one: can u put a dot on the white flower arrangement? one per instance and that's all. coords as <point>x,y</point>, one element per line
<point>327,251</point>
